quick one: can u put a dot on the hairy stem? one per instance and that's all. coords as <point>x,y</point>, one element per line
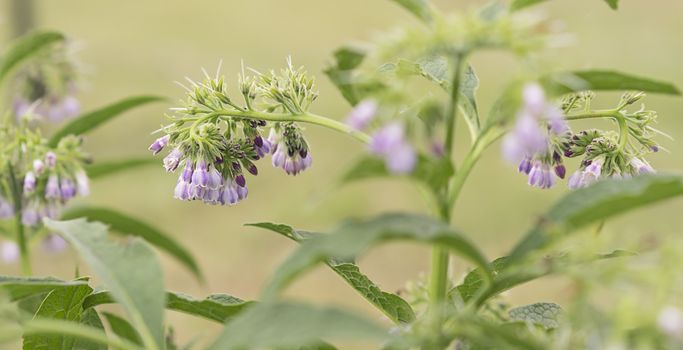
<point>451,113</point>
<point>21,234</point>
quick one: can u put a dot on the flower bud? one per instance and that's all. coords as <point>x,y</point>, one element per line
<point>29,182</point>
<point>50,159</point>
<point>38,167</point>
<point>159,144</point>
<point>52,187</point>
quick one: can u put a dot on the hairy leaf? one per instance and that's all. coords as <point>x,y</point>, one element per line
<point>354,238</point>
<point>63,304</point>
<point>25,47</point>
<point>216,307</point>
<point>103,169</point>
<point>605,80</point>
<point>23,287</point>
<point>91,120</point>
<point>544,314</point>
<point>390,304</point>
<point>122,328</point>
<point>126,224</point>
<point>290,325</point>
<point>420,8</point>
<point>595,203</point>
<point>130,271</point>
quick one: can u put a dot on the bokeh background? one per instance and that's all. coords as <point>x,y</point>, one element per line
<point>142,47</point>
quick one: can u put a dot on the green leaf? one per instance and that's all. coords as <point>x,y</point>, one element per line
<point>354,238</point>
<point>432,172</point>
<point>130,271</point>
<point>91,120</point>
<point>613,4</point>
<point>544,314</point>
<point>126,224</point>
<point>216,307</point>
<point>23,287</point>
<point>520,4</point>
<point>397,309</point>
<point>90,318</point>
<point>420,8</point>
<point>63,304</point>
<point>81,331</point>
<point>103,169</point>
<point>596,203</point>
<point>342,74</point>
<point>566,82</point>
<point>290,325</point>
<point>122,328</point>
<point>25,47</point>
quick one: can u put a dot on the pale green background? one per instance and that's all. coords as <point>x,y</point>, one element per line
<point>141,47</point>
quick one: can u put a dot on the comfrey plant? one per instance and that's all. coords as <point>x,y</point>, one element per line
<point>408,93</point>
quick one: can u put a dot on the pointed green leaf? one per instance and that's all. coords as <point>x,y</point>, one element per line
<point>24,47</point>
<point>63,304</point>
<point>126,224</point>
<point>613,4</point>
<point>130,271</point>
<point>596,203</point>
<point>517,5</point>
<point>104,169</point>
<point>90,318</point>
<point>543,314</point>
<point>397,309</point>
<point>91,120</point>
<point>81,331</point>
<point>420,8</point>
<point>23,287</point>
<point>216,307</point>
<point>122,328</point>
<point>290,325</point>
<point>566,82</point>
<point>355,238</point>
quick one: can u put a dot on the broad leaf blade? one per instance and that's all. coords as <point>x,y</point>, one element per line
<point>543,314</point>
<point>122,328</point>
<point>605,80</point>
<point>517,5</point>
<point>62,304</point>
<point>131,272</point>
<point>103,169</point>
<point>90,318</point>
<point>23,287</point>
<point>420,8</point>
<point>289,325</point>
<point>91,120</point>
<point>397,309</point>
<point>354,238</point>
<point>24,47</point>
<point>126,224</point>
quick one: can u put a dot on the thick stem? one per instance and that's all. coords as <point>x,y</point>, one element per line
<point>21,233</point>
<point>451,113</point>
<point>303,118</point>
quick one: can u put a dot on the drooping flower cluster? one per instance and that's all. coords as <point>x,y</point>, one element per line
<point>46,88</point>
<point>541,138</point>
<point>216,141</point>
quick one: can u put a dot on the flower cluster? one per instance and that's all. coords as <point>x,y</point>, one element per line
<point>541,138</point>
<point>46,88</point>
<point>216,140</point>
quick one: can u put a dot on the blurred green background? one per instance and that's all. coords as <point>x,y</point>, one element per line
<point>142,47</point>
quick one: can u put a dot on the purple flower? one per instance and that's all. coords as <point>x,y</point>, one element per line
<point>525,165</point>
<point>200,176</point>
<point>50,159</point>
<point>159,144</point>
<point>558,125</point>
<point>52,188</point>
<point>233,193</point>
<point>50,210</point>
<point>38,167</point>
<point>29,182</point>
<point>640,166</point>
<point>401,160</point>
<point>389,143</point>
<point>560,171</point>
<point>292,162</point>
<point>172,160</point>
<point>182,190</point>
<point>83,183</point>
<point>438,149</point>
<point>587,176</point>
<point>70,106</point>
<point>541,176</point>
<point>261,146</point>
<point>187,172</point>
<point>361,115</point>
<point>9,252</point>
<point>21,106</point>
<point>68,188</point>
<point>54,244</point>
<point>526,140</point>
<point>6,210</point>
<point>533,98</point>
<point>30,214</point>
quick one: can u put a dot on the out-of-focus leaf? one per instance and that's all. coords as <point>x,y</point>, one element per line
<point>420,8</point>
<point>520,4</point>
<point>25,47</point>
<point>90,318</point>
<point>342,75</point>
<point>613,4</point>
<point>290,325</point>
<point>130,271</point>
<point>122,328</point>
<point>21,287</point>
<point>91,120</point>
<point>596,203</point>
<point>103,169</point>
<point>126,224</point>
<point>566,82</point>
<point>390,304</point>
<point>544,314</point>
<point>216,307</point>
<point>356,237</point>
<point>63,304</point>
<point>85,332</point>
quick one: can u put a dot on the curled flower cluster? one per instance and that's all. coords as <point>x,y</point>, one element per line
<point>216,141</point>
<point>541,138</point>
<point>47,87</point>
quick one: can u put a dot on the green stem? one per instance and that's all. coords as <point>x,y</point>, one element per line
<point>21,234</point>
<point>303,118</point>
<point>623,132</point>
<point>608,113</point>
<point>451,113</point>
